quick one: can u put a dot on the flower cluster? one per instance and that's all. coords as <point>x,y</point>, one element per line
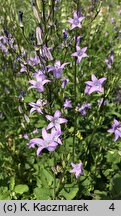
<point>44,74</point>
<point>82,109</point>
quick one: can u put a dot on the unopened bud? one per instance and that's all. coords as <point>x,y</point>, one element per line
<point>21,19</point>
<point>36,13</point>
<point>39,36</point>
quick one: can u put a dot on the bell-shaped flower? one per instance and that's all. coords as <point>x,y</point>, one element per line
<point>55,121</point>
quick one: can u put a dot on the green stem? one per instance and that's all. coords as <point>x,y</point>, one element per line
<point>54,187</point>
<point>75,97</point>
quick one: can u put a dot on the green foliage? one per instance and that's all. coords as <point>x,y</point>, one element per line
<point>20,189</point>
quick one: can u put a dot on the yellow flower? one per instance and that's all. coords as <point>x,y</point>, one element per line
<point>79,135</point>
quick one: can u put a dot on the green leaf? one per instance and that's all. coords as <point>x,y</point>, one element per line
<point>20,189</point>
<point>113,156</point>
<point>115,186</point>
<point>69,191</point>
<point>4,193</point>
<point>100,195</point>
<point>49,177</point>
<point>28,99</point>
<point>42,193</point>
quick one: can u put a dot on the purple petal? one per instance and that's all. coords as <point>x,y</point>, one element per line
<point>110,130</point>
<point>57,126</point>
<point>79,59</point>
<point>84,49</point>
<point>92,89</point>
<point>33,82</point>
<point>77,174</point>
<point>94,79</point>
<point>45,81</point>
<point>70,20</point>
<point>116,122</point>
<point>72,171</point>
<point>51,68</point>
<point>51,125</point>
<point>50,118</point>
<point>52,146</point>
<point>57,114</point>
<point>78,49</point>
<point>75,15</point>
<point>85,55</point>
<point>32,110</point>
<point>102,80</point>
<point>116,137</point>
<point>39,151</point>
<point>73,165</point>
<point>74,54</point>
<point>89,83</point>
<point>62,120</point>
<point>44,134</point>
<point>72,27</point>
<point>63,65</point>
<point>81,18</point>
<point>79,25</point>
<point>36,141</point>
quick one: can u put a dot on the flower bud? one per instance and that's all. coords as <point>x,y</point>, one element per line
<point>39,36</point>
<point>21,19</point>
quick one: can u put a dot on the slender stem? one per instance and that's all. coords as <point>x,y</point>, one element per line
<point>75,96</point>
<point>54,187</point>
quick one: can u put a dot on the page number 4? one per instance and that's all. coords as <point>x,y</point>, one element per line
<point>112,207</point>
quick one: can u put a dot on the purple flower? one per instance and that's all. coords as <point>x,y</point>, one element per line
<point>116,129</point>
<point>57,68</point>
<point>40,73</point>
<point>38,106</point>
<point>110,60</point>
<point>25,136</point>
<point>45,53</point>
<point>23,68</point>
<point>33,61</point>
<point>119,12</point>
<point>56,135</point>
<point>95,85</point>
<point>22,94</point>
<point>106,34</point>
<point>55,120</point>
<point>65,34</point>
<point>39,36</point>
<point>77,169</point>
<point>76,21</point>
<point>112,19</point>
<point>49,141</point>
<point>78,40</point>
<point>39,83</point>
<point>83,108</point>
<point>64,82</point>
<point>35,131</point>
<point>67,104</point>
<point>102,101</point>
<point>80,53</point>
